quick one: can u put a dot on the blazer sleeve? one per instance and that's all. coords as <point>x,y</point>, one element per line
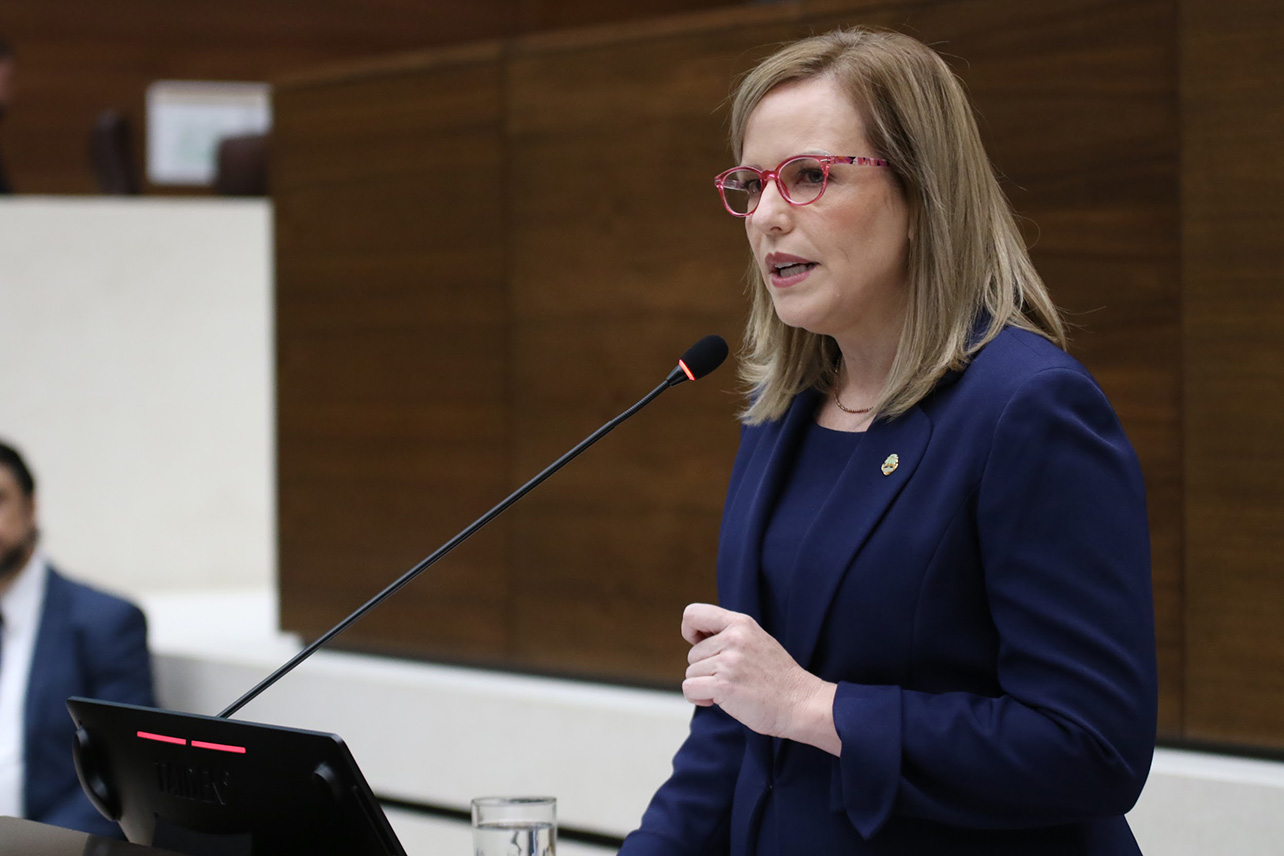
<point>1061,523</point>
<point>118,664</point>
<point>111,644</point>
<point>691,812</point>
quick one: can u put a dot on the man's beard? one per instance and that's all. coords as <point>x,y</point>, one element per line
<point>16,557</point>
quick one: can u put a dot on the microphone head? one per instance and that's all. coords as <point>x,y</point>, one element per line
<point>701,358</point>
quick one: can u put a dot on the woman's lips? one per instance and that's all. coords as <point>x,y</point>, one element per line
<point>785,269</point>
<point>791,274</point>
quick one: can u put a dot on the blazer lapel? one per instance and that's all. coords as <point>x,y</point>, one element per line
<point>868,485</point>
<point>750,507</point>
<point>53,667</point>
<point>49,657</point>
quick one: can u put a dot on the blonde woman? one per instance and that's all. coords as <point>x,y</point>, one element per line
<point>935,630</point>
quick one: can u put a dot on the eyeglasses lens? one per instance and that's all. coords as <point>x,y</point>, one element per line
<point>802,179</point>
<point>742,188</point>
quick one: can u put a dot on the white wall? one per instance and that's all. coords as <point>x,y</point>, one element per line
<point>136,372</point>
<point>1197,804</point>
<point>136,376</point>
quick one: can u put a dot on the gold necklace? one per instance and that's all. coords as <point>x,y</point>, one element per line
<point>848,409</point>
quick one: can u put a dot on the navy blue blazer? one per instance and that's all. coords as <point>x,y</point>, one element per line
<point>978,586</point>
<point>89,644</point>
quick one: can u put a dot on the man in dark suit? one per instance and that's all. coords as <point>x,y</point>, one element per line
<point>58,638</point>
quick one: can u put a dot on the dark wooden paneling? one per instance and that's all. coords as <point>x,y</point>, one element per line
<point>1233,267</point>
<point>616,256</point>
<point>621,257</point>
<point>79,57</point>
<point>392,367</point>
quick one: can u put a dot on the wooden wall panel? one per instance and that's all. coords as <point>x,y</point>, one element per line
<point>79,57</point>
<point>1233,282</point>
<point>392,368</point>
<point>621,257</point>
<point>617,255</point>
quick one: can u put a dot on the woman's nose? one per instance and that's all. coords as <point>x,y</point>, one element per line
<point>773,212</point>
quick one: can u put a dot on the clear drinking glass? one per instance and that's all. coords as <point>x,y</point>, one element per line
<point>515,826</point>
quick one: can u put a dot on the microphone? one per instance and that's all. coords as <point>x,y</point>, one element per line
<point>697,361</point>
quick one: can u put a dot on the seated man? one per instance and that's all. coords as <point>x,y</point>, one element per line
<point>58,638</point>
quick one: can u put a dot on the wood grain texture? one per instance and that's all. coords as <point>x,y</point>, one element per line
<point>392,375</point>
<point>615,255</point>
<point>622,257</point>
<point>80,57</point>
<point>1233,264</point>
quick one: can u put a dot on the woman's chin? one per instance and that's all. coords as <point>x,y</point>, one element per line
<point>812,321</point>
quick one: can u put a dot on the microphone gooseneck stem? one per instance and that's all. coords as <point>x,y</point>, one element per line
<point>447,547</point>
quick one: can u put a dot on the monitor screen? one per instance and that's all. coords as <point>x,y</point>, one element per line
<point>207,786</point>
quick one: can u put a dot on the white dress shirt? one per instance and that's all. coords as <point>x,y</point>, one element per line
<point>21,606</point>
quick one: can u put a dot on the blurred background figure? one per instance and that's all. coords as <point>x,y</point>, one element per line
<point>58,638</point>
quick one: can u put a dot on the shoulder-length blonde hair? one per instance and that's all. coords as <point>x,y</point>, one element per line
<point>967,260</point>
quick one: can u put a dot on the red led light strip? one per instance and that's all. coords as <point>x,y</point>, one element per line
<point>196,744</point>
<point>682,365</point>
<point>218,747</point>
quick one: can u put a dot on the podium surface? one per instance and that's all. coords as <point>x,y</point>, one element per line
<point>28,838</point>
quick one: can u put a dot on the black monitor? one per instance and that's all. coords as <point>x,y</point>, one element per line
<point>206,786</point>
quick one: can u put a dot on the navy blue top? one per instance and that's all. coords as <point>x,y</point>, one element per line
<point>821,457</point>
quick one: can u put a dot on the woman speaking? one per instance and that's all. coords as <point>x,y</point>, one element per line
<point>935,631</point>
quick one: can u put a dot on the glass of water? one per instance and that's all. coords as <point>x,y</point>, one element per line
<point>515,826</point>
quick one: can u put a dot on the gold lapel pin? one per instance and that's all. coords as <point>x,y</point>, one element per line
<point>890,465</point>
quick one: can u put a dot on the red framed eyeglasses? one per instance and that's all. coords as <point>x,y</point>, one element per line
<point>801,180</point>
